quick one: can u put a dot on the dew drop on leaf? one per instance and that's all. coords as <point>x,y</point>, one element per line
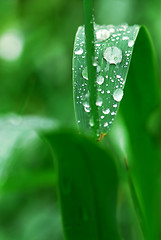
<point>106,111</point>
<point>113,55</point>
<point>102,34</point>
<point>130,43</point>
<point>79,51</point>
<point>99,102</point>
<point>106,124</point>
<point>91,122</point>
<point>85,73</point>
<point>100,79</point>
<point>125,38</point>
<point>118,94</point>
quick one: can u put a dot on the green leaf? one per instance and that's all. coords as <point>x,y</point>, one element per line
<point>113,53</point>
<point>141,99</point>
<point>88,185</point>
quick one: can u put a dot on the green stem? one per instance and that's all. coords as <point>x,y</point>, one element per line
<point>90,50</point>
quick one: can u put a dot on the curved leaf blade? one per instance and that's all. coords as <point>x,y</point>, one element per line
<point>88,182</point>
<point>141,99</point>
<point>113,53</point>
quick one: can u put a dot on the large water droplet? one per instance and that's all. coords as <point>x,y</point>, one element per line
<point>118,94</point>
<point>113,55</point>
<point>106,111</point>
<point>130,43</point>
<point>85,73</point>
<point>102,34</point>
<point>100,79</point>
<point>79,51</point>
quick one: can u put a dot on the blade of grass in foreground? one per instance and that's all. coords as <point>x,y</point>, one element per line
<point>141,99</point>
<point>88,184</point>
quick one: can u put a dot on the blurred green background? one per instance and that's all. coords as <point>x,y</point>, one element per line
<point>36,44</point>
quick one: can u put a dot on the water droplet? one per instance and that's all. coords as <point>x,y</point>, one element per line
<point>95,62</point>
<point>85,73</point>
<point>118,76</point>
<point>86,106</point>
<point>113,55</point>
<point>87,109</point>
<point>115,105</point>
<point>99,102</point>
<point>118,94</point>
<point>79,51</point>
<point>91,122</point>
<point>106,111</point>
<point>125,38</point>
<point>113,113</point>
<point>130,43</point>
<point>100,79</point>
<point>102,34</point>
<point>98,68</point>
<point>106,124</point>
<point>112,30</point>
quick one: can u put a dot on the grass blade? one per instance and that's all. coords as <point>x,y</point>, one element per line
<point>141,99</point>
<point>88,184</point>
<point>113,53</point>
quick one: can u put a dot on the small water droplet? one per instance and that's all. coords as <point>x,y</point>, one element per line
<point>100,79</point>
<point>86,106</point>
<point>98,68</point>
<point>106,111</point>
<point>118,94</point>
<point>130,43</point>
<point>113,113</point>
<point>125,38</point>
<point>115,105</point>
<point>79,51</point>
<point>99,102</point>
<point>102,34</point>
<point>118,76</point>
<point>91,122</point>
<point>106,124</point>
<point>112,30</point>
<point>85,73</point>
<point>113,55</point>
<point>95,62</point>
<point>87,109</point>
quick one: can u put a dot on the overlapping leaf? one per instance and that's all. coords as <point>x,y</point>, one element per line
<point>88,185</point>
